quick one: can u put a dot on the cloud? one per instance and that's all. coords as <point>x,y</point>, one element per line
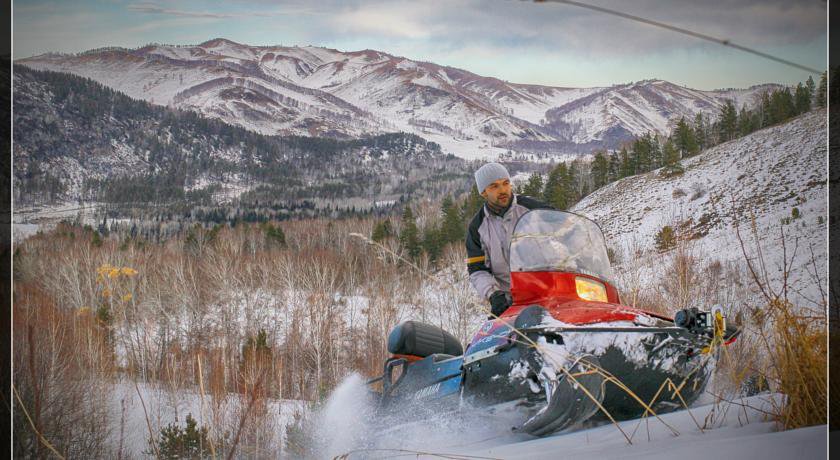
<point>179,22</point>
<point>393,19</point>
<point>555,26</point>
<point>154,8</point>
<point>491,37</point>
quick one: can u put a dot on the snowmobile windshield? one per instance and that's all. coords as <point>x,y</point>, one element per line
<point>547,240</point>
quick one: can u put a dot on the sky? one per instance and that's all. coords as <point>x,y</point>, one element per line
<point>547,43</point>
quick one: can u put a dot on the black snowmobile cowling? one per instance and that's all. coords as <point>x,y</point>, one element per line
<point>566,346</point>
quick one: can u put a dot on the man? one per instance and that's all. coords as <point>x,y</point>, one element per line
<point>488,237</point>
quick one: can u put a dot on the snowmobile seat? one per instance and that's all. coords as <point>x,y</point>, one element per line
<point>414,338</point>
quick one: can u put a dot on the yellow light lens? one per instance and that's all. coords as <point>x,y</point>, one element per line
<point>588,289</point>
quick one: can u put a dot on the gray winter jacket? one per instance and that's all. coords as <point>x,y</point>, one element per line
<point>488,245</point>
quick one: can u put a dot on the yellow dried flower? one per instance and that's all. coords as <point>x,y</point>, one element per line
<point>106,293</point>
<point>126,297</point>
<point>114,272</point>
<point>128,271</point>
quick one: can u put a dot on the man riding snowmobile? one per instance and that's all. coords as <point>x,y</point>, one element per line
<point>488,237</point>
<point>563,347</point>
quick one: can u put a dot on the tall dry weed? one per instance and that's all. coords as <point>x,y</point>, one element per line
<point>793,338</point>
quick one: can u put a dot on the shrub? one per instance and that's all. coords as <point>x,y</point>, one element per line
<point>382,230</point>
<point>176,442</point>
<point>697,192</point>
<point>274,236</point>
<point>669,171</point>
<point>612,256</point>
<point>666,238</point>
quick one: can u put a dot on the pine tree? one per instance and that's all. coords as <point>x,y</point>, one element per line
<point>628,167</point>
<point>614,168</point>
<point>382,230</point>
<point>766,113</point>
<point>782,106</point>
<point>452,227</point>
<point>655,152</point>
<point>576,182</point>
<point>409,235</point>
<point>176,442</point>
<point>274,236</point>
<point>670,154</point>
<point>600,170</point>
<point>684,139</point>
<point>432,242</point>
<point>728,121</point>
<point>802,98</point>
<point>744,122</point>
<point>666,238</point>
<point>473,203</point>
<point>558,187</point>
<point>643,154</point>
<point>534,186</point>
<point>811,87</point>
<point>700,132</point>
<point>822,91</point>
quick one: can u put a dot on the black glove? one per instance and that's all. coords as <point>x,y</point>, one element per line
<point>499,302</point>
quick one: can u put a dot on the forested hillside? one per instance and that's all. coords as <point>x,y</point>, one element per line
<point>77,140</point>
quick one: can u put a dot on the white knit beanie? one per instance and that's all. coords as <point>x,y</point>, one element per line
<point>489,173</point>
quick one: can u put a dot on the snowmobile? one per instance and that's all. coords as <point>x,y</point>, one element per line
<point>567,350</point>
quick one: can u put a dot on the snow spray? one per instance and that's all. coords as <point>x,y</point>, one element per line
<point>348,423</point>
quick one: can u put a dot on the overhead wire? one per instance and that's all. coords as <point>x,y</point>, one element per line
<point>651,22</point>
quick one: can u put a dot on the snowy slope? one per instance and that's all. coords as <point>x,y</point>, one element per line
<point>741,433</point>
<point>766,174</point>
<point>325,92</point>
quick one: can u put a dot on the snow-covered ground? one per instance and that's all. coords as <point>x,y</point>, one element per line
<point>740,428</point>
<point>742,432</point>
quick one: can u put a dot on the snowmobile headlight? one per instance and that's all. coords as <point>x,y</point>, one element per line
<point>589,289</point>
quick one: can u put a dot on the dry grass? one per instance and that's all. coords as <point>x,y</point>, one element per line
<point>783,346</point>
<point>799,365</point>
<point>794,337</point>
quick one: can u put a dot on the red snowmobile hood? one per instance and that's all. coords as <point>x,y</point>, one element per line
<point>556,292</point>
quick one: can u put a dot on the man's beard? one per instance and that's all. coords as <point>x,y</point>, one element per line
<point>497,207</point>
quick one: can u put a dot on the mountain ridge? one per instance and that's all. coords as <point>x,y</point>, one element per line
<point>317,91</point>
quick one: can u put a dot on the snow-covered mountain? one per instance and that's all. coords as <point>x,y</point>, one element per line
<point>776,176</point>
<point>317,91</point>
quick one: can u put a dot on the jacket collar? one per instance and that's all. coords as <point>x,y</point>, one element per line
<point>499,212</point>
